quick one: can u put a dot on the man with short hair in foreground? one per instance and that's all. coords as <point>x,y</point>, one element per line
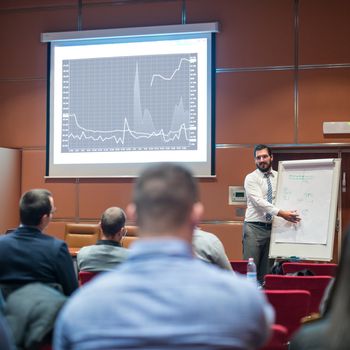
<point>107,253</point>
<point>162,297</point>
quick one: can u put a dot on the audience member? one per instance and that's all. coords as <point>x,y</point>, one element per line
<point>162,297</point>
<point>208,247</point>
<point>28,255</point>
<point>331,332</point>
<point>6,340</point>
<point>107,252</point>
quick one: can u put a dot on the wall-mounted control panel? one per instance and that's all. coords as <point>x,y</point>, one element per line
<point>236,195</point>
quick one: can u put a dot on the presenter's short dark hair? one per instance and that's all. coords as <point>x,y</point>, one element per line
<point>164,196</point>
<point>33,205</point>
<point>260,147</point>
<point>112,221</point>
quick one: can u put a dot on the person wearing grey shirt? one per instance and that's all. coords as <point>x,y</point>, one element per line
<point>107,252</point>
<point>207,247</point>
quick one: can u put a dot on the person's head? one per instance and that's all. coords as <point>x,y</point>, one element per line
<point>113,223</point>
<point>166,202</point>
<point>36,207</point>
<point>263,157</point>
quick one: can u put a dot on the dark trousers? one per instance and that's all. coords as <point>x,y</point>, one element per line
<point>256,244</point>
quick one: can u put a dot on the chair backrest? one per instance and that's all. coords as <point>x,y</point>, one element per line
<point>278,339</point>
<point>131,236</point>
<point>316,285</point>
<point>319,269</point>
<point>290,307</point>
<point>86,276</point>
<point>239,266</point>
<point>80,235</point>
<point>128,240</point>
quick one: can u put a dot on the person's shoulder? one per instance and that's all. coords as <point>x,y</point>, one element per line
<point>52,239</point>
<point>231,284</point>
<point>124,251</point>
<point>54,243</point>
<point>213,273</point>
<point>252,175</point>
<point>201,235</point>
<point>88,249</point>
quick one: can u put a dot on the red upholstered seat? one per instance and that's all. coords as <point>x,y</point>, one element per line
<point>86,276</point>
<point>290,307</point>
<point>319,269</point>
<point>239,266</point>
<point>279,338</point>
<point>316,285</point>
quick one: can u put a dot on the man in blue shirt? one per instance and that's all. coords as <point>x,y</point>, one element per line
<point>162,297</point>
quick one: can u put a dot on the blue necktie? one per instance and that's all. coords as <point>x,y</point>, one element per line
<point>269,194</point>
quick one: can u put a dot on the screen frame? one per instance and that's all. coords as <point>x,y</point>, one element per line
<point>77,170</point>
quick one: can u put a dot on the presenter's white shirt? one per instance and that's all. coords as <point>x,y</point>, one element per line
<point>255,185</point>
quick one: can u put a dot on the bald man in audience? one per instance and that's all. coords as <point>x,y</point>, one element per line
<point>107,252</point>
<point>162,297</point>
<point>28,255</point>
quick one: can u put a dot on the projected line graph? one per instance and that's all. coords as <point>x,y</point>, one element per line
<point>136,103</point>
<point>192,60</point>
<point>118,136</point>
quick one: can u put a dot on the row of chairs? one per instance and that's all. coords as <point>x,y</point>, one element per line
<point>293,297</point>
<point>78,235</point>
<point>315,285</point>
<point>318,269</point>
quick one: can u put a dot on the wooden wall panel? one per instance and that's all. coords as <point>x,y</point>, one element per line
<point>324,96</point>
<point>324,31</point>
<point>97,16</point>
<point>255,107</point>
<point>56,229</point>
<point>253,33</point>
<point>29,4</point>
<point>232,166</point>
<point>20,39</point>
<point>23,113</point>
<point>96,196</point>
<point>10,174</point>
<point>63,191</point>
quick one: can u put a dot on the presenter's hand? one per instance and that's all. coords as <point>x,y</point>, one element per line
<point>289,215</point>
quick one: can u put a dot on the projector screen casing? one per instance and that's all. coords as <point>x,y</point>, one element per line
<point>126,133</point>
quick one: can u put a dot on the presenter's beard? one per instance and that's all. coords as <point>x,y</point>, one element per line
<point>264,167</point>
